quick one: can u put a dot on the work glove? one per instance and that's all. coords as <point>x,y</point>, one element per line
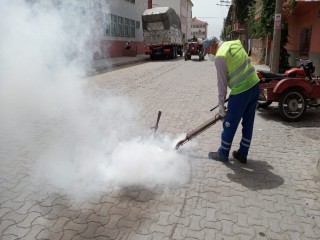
<point>222,112</point>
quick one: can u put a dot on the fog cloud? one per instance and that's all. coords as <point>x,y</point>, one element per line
<point>77,141</point>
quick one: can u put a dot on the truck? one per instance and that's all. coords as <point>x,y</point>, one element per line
<point>162,32</point>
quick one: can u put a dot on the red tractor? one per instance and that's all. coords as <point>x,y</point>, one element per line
<point>293,94</point>
<point>194,48</point>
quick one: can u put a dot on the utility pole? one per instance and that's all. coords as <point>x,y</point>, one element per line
<point>275,53</point>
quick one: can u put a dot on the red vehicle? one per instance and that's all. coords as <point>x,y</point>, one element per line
<point>193,48</point>
<point>267,76</point>
<point>294,94</point>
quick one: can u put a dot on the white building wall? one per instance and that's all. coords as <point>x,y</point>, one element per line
<point>126,10</point>
<point>175,4</point>
<point>199,29</point>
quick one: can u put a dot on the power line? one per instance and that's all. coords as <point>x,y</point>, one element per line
<point>225,3</point>
<point>207,17</point>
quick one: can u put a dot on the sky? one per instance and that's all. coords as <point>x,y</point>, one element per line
<point>208,11</point>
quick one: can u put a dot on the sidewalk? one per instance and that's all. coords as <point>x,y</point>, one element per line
<point>101,65</point>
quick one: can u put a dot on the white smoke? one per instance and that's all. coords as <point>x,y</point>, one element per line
<point>77,140</point>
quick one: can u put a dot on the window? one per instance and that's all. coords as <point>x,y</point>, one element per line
<point>131,1</point>
<point>120,26</point>
<point>114,21</point>
<point>126,27</point>
<point>107,24</point>
<point>305,39</point>
<point>132,28</point>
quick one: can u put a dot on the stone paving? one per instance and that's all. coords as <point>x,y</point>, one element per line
<point>275,196</point>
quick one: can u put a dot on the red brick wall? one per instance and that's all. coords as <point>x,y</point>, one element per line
<point>112,48</point>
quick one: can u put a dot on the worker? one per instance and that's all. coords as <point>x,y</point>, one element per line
<point>234,71</point>
<point>200,45</point>
<point>194,39</point>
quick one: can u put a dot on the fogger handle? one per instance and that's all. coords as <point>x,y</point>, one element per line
<point>198,130</point>
<point>158,119</point>
<point>225,101</point>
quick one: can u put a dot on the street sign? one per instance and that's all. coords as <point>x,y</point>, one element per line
<point>277,21</point>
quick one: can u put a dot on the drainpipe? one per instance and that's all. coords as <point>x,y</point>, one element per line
<point>149,4</point>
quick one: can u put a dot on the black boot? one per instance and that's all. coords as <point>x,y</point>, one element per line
<point>217,157</point>
<point>240,158</point>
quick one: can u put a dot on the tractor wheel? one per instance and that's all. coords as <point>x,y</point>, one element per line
<point>292,105</point>
<point>200,57</point>
<point>185,56</point>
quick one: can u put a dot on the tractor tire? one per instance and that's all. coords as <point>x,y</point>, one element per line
<point>292,105</point>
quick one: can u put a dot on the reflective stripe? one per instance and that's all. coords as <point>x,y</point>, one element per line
<point>247,140</point>
<point>244,144</point>
<point>225,143</point>
<point>225,148</point>
<point>239,69</point>
<point>246,74</point>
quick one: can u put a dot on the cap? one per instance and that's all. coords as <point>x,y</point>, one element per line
<point>208,41</point>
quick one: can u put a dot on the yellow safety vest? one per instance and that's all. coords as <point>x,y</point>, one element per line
<point>241,73</point>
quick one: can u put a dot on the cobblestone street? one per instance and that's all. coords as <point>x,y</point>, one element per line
<point>274,196</point>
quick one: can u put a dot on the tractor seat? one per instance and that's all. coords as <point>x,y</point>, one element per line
<point>268,74</point>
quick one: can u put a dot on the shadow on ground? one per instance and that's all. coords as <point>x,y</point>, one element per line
<point>311,117</point>
<point>255,175</point>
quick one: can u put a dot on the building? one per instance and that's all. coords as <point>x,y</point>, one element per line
<point>199,28</point>
<point>120,22</point>
<point>303,27</point>
<point>109,24</point>
<point>184,9</point>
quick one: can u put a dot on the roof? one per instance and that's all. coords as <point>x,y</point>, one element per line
<point>156,10</point>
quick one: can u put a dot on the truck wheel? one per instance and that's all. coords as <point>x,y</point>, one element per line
<point>185,56</point>
<point>292,105</point>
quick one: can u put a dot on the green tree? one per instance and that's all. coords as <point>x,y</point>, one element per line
<point>263,27</point>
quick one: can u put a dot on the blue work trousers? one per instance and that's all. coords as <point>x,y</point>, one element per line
<point>240,106</point>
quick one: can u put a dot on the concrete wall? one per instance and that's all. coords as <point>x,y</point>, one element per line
<point>306,14</point>
<point>258,50</point>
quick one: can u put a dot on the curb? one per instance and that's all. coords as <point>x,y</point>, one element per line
<point>102,69</point>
